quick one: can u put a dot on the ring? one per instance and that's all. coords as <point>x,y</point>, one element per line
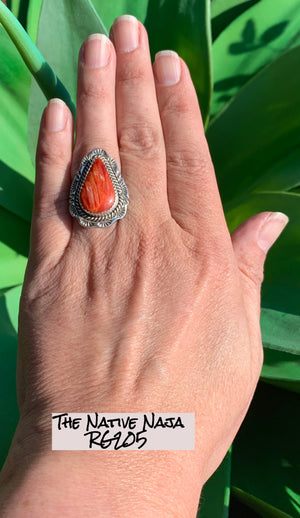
<point>98,195</point>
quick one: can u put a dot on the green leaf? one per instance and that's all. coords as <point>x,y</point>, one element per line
<point>13,102</point>
<point>14,6</point>
<point>16,170</point>
<point>12,300</point>
<point>14,245</point>
<point>266,455</point>
<point>219,7</point>
<point>108,11</point>
<point>223,12</point>
<point>20,8</point>
<point>265,510</point>
<point>184,26</point>
<point>258,128</point>
<point>42,72</point>
<point>280,176</point>
<point>281,331</point>
<point>180,25</point>
<point>236,58</point>
<point>16,192</point>
<point>281,366</point>
<point>71,22</point>
<point>9,306</point>
<point>281,339</point>
<point>33,16</point>
<point>215,496</point>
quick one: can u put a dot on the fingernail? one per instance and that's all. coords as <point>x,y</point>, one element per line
<point>56,115</point>
<point>271,230</point>
<point>167,67</point>
<point>126,33</point>
<point>96,50</point>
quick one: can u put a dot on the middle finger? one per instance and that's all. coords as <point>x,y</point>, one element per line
<point>140,135</point>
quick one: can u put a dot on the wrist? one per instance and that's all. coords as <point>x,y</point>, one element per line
<point>104,483</point>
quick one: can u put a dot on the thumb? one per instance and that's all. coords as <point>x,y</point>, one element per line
<point>251,242</point>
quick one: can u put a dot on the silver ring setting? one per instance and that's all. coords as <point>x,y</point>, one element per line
<point>118,209</point>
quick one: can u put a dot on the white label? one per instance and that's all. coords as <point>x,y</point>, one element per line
<point>149,431</point>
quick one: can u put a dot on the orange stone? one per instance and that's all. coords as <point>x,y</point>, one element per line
<point>97,193</point>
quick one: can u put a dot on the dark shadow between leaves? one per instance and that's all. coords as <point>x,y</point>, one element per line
<point>16,192</point>
<point>273,357</point>
<point>266,455</point>
<point>8,401</point>
<point>23,10</point>
<point>14,232</point>
<point>238,509</point>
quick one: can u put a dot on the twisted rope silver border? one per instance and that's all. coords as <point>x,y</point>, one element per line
<point>118,209</point>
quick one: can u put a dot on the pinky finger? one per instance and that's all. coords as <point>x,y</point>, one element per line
<point>51,221</point>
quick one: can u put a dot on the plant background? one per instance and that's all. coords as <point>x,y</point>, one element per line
<point>244,58</point>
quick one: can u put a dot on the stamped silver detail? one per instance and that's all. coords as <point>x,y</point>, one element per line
<point>119,207</point>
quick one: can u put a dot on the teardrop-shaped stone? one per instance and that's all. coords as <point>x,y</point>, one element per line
<point>97,193</point>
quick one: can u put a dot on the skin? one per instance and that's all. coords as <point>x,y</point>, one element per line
<point>159,312</point>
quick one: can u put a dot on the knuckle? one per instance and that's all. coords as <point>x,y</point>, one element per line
<point>141,138</point>
<point>50,153</point>
<point>251,273</point>
<point>91,91</point>
<point>131,75</point>
<point>188,158</point>
<point>38,288</point>
<point>47,209</point>
<point>179,104</point>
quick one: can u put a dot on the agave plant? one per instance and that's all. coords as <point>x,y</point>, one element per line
<point>244,57</point>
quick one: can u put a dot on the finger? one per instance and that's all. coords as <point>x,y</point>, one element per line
<point>96,114</point>
<point>139,129</point>
<point>51,222</point>
<point>251,242</point>
<point>192,188</point>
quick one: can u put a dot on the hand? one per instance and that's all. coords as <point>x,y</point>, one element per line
<point>159,312</point>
